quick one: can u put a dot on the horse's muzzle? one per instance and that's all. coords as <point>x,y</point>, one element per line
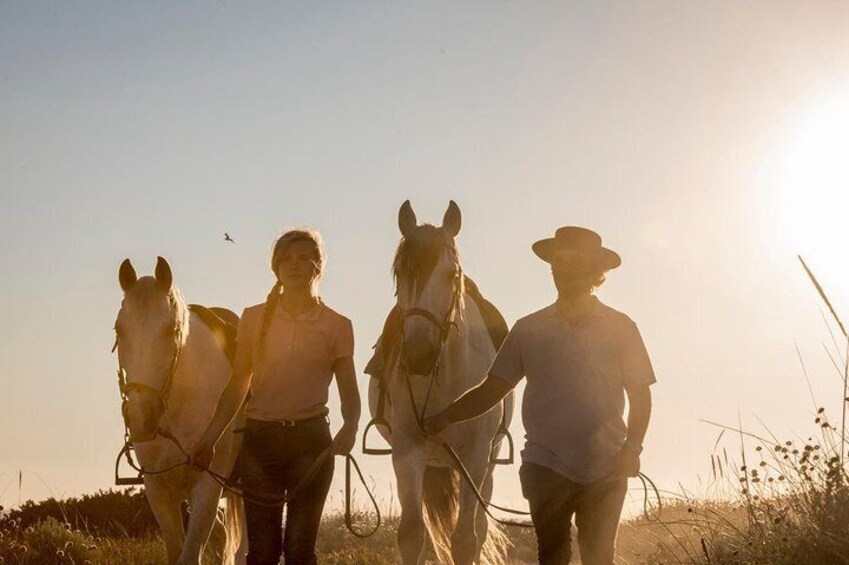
<point>418,359</point>
<point>141,422</point>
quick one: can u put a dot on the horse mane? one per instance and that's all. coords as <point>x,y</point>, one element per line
<point>148,289</point>
<point>418,254</point>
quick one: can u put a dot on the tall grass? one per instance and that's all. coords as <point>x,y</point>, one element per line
<point>781,501</point>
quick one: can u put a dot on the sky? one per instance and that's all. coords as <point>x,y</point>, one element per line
<point>702,140</point>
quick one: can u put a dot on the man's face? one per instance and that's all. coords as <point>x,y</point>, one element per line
<point>573,276</point>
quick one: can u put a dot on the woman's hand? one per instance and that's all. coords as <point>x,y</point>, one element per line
<point>345,439</point>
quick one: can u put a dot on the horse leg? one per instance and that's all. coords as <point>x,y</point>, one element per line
<point>242,523</point>
<point>204,505</point>
<point>166,509</point>
<point>465,541</point>
<point>482,520</point>
<point>409,463</point>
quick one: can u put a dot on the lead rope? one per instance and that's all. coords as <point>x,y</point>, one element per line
<point>275,500</point>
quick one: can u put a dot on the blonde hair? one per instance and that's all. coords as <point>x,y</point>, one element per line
<point>280,246</point>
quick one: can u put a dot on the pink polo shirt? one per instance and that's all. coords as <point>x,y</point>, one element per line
<point>291,380</point>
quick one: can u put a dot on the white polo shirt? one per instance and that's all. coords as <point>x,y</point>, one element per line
<point>574,401</point>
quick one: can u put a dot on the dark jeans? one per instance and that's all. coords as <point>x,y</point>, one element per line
<point>554,499</point>
<point>273,459</point>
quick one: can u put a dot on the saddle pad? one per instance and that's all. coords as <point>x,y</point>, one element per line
<point>223,324</point>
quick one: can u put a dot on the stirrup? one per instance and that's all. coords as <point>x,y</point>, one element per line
<point>494,459</point>
<point>375,450</point>
<point>126,481</point>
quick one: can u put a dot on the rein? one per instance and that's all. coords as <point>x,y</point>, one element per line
<point>255,497</point>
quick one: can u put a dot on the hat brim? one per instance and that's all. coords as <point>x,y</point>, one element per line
<point>548,249</point>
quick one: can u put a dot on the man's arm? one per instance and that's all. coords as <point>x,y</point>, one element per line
<point>471,404</point>
<point>639,413</point>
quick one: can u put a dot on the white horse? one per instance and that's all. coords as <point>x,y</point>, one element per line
<point>445,350</point>
<point>174,372</point>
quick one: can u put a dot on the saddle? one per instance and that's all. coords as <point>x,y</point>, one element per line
<point>223,323</point>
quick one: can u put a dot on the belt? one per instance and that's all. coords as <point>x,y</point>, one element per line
<point>320,419</point>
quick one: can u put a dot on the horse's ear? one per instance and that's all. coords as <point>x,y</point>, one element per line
<point>127,275</point>
<point>163,273</point>
<point>452,220</point>
<point>406,219</point>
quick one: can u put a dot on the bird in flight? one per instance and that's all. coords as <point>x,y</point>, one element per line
<point>228,238</point>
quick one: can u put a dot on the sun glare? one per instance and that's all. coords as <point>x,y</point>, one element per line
<point>815,199</point>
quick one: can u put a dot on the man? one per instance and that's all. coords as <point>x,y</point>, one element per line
<point>580,358</point>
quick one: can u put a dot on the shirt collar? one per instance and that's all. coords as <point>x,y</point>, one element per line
<point>309,315</point>
<point>596,309</point>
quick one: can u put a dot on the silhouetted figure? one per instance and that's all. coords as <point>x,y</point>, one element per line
<point>580,358</point>
<point>228,238</point>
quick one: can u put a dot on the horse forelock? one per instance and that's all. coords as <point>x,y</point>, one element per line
<point>419,253</point>
<point>141,299</point>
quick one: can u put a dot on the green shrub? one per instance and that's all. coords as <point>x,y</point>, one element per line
<point>105,513</point>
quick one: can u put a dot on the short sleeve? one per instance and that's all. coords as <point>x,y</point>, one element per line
<point>634,359</point>
<point>507,365</point>
<point>245,334</point>
<point>343,345</point>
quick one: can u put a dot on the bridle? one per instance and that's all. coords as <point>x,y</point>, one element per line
<point>125,387</point>
<point>444,327</point>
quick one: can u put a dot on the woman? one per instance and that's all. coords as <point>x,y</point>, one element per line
<point>288,350</point>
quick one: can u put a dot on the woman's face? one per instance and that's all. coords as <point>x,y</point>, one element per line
<point>297,267</point>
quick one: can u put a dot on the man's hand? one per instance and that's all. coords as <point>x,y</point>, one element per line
<point>627,462</point>
<point>344,441</point>
<point>435,424</point>
<point>203,454</point>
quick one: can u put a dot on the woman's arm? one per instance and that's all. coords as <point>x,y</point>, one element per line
<point>228,404</point>
<point>349,395</point>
